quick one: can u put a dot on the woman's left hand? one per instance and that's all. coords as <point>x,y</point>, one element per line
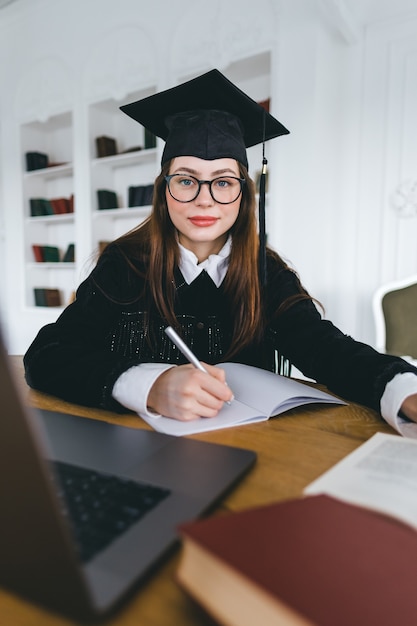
<point>409,407</point>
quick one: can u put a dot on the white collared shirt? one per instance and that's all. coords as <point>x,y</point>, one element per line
<point>215,265</point>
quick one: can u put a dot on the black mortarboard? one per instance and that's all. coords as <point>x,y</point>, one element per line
<point>210,118</point>
<point>193,119</point>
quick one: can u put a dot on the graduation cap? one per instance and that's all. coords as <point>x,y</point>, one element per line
<point>211,118</point>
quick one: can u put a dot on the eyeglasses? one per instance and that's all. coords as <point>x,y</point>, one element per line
<point>224,189</point>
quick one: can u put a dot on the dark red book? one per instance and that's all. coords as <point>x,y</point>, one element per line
<point>308,561</point>
<point>265,104</point>
<point>105,146</point>
<point>60,205</point>
<point>53,297</point>
<point>38,253</point>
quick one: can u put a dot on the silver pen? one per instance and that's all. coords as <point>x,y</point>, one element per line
<point>182,346</point>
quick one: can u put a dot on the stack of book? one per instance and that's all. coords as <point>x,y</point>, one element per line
<point>51,254</point>
<point>39,161</point>
<point>52,206</point>
<point>344,555</point>
<point>45,296</point>
<point>141,195</point>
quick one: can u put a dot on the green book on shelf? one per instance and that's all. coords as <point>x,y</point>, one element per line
<point>36,161</point>
<point>150,139</point>
<point>107,199</point>
<point>39,294</point>
<point>40,206</point>
<point>51,254</point>
<point>69,256</point>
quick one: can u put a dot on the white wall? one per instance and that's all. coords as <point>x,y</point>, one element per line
<point>348,95</point>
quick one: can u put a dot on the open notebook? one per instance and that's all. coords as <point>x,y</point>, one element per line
<point>259,395</point>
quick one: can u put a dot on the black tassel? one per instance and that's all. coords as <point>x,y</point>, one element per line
<point>262,230</point>
<point>261,214</point>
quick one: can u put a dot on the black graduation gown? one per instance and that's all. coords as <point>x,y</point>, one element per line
<point>107,329</point>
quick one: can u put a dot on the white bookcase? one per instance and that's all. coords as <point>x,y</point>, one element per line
<point>76,169</point>
<point>55,139</point>
<point>134,164</point>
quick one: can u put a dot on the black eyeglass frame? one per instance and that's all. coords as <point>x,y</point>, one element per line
<point>169,177</point>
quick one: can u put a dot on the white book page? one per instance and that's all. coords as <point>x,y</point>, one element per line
<point>230,415</point>
<point>259,394</point>
<point>268,393</point>
<point>381,475</point>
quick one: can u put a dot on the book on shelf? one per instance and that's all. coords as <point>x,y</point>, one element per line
<point>105,146</point>
<point>265,104</point>
<point>38,253</point>
<point>52,206</point>
<point>46,253</point>
<point>36,161</point>
<point>57,163</point>
<point>45,296</point>
<point>309,561</point>
<point>60,205</point>
<point>140,195</point>
<point>258,396</point>
<point>132,149</point>
<point>69,254</point>
<point>107,199</point>
<point>149,139</point>
<point>51,254</point>
<point>40,207</point>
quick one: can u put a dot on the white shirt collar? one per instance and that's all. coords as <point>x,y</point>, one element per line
<point>216,265</point>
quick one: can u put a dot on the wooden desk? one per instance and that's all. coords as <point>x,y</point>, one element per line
<point>292,451</point>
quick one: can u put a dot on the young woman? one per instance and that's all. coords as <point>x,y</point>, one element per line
<point>194,265</point>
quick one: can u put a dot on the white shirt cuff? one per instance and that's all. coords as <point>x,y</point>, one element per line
<point>132,387</point>
<point>396,391</point>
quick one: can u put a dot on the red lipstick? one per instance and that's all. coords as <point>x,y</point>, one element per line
<point>203,220</point>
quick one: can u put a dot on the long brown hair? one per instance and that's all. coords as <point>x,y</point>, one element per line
<point>154,244</point>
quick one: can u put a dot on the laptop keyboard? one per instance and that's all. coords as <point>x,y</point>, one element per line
<point>100,507</point>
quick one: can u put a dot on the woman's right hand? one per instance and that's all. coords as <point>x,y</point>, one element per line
<point>186,393</point>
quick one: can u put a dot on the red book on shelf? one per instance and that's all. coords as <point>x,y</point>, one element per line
<point>309,561</point>
<point>60,205</point>
<point>38,253</point>
<point>53,297</point>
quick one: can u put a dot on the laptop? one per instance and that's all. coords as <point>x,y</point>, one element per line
<point>147,483</point>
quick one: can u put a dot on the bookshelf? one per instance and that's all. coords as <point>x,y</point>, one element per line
<point>79,167</point>
<point>43,187</point>
<point>132,163</point>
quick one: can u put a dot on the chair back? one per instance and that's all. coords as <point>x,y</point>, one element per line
<point>395,313</point>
